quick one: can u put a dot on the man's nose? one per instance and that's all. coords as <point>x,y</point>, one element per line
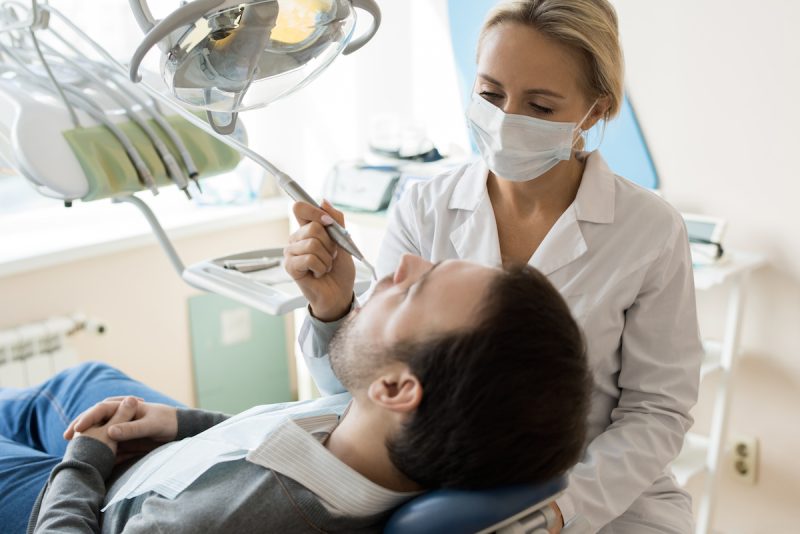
<point>410,269</point>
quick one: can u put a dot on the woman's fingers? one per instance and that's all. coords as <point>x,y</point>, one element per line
<point>300,266</point>
<point>316,231</point>
<point>337,215</point>
<point>306,213</point>
<point>311,247</point>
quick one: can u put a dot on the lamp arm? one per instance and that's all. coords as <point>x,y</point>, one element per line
<point>183,16</point>
<point>371,7</point>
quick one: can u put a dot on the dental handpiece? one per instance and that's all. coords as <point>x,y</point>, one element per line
<point>337,232</point>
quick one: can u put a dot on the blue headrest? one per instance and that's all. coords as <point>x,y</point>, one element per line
<point>467,512</point>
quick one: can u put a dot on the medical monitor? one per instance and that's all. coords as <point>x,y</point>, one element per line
<point>623,143</point>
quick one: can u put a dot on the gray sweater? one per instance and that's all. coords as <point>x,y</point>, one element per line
<point>236,496</point>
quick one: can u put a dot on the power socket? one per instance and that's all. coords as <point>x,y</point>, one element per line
<point>744,459</point>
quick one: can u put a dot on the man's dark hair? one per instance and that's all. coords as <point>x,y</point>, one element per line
<point>505,402</point>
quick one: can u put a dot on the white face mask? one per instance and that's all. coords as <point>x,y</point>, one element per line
<point>516,147</point>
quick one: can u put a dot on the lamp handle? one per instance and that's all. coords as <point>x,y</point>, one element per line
<point>141,12</point>
<point>183,16</point>
<point>371,7</point>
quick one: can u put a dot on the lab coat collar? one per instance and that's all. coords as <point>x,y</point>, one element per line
<point>471,187</point>
<point>594,202</point>
<point>562,245</point>
<point>476,238</point>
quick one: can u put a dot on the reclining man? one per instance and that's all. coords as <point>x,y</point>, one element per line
<point>448,388</point>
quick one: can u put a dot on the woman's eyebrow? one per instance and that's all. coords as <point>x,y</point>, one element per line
<point>545,92</point>
<point>490,79</point>
<point>538,91</point>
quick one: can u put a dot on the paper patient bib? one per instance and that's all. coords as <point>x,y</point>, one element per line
<point>171,469</point>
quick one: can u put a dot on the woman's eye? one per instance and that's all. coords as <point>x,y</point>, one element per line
<point>488,95</point>
<point>541,109</point>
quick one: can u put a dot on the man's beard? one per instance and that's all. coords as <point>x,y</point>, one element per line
<point>352,358</point>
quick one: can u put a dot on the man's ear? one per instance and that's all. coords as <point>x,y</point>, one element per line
<point>397,389</point>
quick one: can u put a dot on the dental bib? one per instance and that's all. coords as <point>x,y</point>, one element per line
<point>171,469</point>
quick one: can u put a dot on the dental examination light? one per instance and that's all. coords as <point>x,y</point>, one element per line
<point>226,56</point>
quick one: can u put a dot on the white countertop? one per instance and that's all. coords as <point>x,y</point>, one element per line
<point>50,236</point>
<point>733,264</point>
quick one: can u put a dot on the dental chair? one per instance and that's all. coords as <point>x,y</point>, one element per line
<point>509,510</point>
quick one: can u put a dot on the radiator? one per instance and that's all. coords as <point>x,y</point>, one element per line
<point>33,352</point>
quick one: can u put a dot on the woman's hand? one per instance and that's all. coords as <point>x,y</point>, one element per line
<point>325,273</point>
<point>125,412</point>
<point>151,425</point>
<point>559,519</point>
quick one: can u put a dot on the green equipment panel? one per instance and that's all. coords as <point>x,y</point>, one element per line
<point>240,355</point>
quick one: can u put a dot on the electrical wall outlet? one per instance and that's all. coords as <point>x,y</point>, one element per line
<point>744,459</point>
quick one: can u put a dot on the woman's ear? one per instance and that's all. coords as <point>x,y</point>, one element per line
<point>397,389</point>
<point>599,112</point>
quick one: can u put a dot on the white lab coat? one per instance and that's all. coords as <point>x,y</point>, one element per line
<point>620,257</point>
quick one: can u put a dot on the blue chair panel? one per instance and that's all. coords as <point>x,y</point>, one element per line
<point>467,512</point>
<point>623,143</point>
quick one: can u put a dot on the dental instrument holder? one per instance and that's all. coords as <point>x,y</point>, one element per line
<point>213,277</point>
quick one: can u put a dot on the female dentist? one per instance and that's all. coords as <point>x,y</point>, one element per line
<point>549,70</point>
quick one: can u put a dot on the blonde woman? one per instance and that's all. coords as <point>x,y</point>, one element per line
<point>549,70</point>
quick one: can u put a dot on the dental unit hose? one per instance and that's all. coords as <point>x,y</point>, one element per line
<point>76,98</point>
<point>171,165</point>
<point>154,113</point>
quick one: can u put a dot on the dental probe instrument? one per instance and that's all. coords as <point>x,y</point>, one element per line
<point>337,232</point>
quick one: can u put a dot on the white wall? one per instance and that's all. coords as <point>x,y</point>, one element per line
<point>716,84</point>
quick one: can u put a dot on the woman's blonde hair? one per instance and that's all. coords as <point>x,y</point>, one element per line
<point>587,26</point>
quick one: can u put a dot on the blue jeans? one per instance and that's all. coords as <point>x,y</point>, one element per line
<point>32,422</point>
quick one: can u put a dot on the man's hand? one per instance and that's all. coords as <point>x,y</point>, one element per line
<point>125,412</point>
<point>325,273</point>
<point>151,425</point>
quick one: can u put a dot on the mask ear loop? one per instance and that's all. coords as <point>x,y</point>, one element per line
<point>581,131</point>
